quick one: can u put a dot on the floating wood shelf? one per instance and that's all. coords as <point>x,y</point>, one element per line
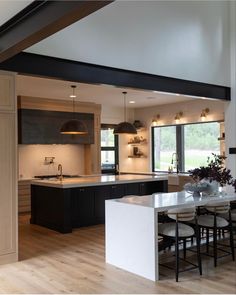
<point>138,142</point>
<point>137,156</point>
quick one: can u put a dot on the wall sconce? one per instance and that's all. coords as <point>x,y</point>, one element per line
<point>204,114</point>
<point>178,116</point>
<point>155,120</point>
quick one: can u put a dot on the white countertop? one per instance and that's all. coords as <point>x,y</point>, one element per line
<point>165,201</point>
<point>97,180</point>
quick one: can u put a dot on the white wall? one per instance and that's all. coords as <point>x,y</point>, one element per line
<point>31,159</point>
<point>230,110</point>
<point>191,113</point>
<point>183,39</point>
<point>113,115</point>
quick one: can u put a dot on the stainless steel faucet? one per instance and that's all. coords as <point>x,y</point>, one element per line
<point>175,155</point>
<point>60,175</point>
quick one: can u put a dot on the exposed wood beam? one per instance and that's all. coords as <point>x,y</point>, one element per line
<point>41,19</point>
<point>45,66</point>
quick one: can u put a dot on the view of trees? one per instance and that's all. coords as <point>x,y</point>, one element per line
<point>199,141</point>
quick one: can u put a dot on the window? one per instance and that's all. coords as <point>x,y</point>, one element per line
<point>164,147</point>
<point>193,143</point>
<point>200,141</point>
<point>109,149</point>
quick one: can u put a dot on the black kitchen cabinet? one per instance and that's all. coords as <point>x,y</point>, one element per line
<point>117,190</point>
<point>64,209</point>
<point>148,188</point>
<point>101,194</point>
<point>43,127</point>
<point>133,188</point>
<point>82,206</point>
<point>51,207</point>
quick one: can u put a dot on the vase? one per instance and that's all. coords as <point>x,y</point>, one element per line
<point>213,187</point>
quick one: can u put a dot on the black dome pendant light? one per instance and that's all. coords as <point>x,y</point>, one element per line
<point>73,126</point>
<point>125,127</point>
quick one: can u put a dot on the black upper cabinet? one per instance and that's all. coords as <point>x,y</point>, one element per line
<point>43,127</point>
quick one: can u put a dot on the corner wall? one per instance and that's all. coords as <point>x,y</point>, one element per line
<point>230,109</point>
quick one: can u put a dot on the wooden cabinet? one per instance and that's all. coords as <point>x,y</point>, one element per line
<point>8,168</point>
<point>7,92</point>
<point>43,127</point>
<point>64,209</point>
<point>24,196</point>
<point>178,187</point>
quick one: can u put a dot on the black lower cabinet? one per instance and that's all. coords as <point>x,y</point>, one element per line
<point>82,206</point>
<point>101,194</point>
<point>64,209</point>
<point>151,187</point>
<point>51,207</point>
<point>132,189</point>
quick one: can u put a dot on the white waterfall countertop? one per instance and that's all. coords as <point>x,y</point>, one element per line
<point>97,180</point>
<point>132,228</point>
<point>165,201</point>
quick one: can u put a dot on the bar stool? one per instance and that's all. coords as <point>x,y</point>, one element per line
<point>178,232</point>
<point>215,223</point>
<point>233,220</point>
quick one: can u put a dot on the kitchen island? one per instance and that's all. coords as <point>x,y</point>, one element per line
<point>132,228</point>
<point>65,204</point>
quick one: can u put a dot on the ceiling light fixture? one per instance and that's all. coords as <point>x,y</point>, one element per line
<point>131,101</point>
<point>155,120</point>
<point>204,114</point>
<point>178,116</point>
<point>73,126</point>
<point>125,127</point>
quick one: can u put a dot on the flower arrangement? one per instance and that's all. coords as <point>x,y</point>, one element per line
<point>215,170</point>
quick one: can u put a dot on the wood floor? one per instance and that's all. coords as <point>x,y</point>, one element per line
<point>74,263</point>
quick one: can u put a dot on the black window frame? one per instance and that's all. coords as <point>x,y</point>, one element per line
<point>179,143</point>
<point>114,148</point>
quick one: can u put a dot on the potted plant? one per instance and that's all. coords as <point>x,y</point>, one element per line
<point>214,172</point>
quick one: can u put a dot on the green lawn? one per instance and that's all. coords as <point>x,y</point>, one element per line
<point>193,159</point>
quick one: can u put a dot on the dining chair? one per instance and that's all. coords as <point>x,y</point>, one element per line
<point>180,232</point>
<point>213,221</point>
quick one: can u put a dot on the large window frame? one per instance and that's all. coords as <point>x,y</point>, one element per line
<point>114,148</point>
<point>180,144</point>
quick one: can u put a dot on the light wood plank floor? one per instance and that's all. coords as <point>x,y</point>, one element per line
<point>74,263</point>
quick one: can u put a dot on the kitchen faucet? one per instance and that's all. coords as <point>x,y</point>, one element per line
<point>60,176</point>
<point>176,161</point>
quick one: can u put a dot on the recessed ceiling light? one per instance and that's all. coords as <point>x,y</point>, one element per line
<point>131,101</point>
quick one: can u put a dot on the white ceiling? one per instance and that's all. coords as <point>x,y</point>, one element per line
<point>100,94</point>
<point>180,39</point>
<point>8,8</point>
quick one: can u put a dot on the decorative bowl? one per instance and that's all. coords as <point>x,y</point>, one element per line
<point>196,188</point>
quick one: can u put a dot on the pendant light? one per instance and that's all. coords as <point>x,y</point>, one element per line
<point>125,127</point>
<point>73,126</point>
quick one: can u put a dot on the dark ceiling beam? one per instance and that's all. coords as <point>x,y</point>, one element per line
<point>41,19</point>
<point>45,66</point>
